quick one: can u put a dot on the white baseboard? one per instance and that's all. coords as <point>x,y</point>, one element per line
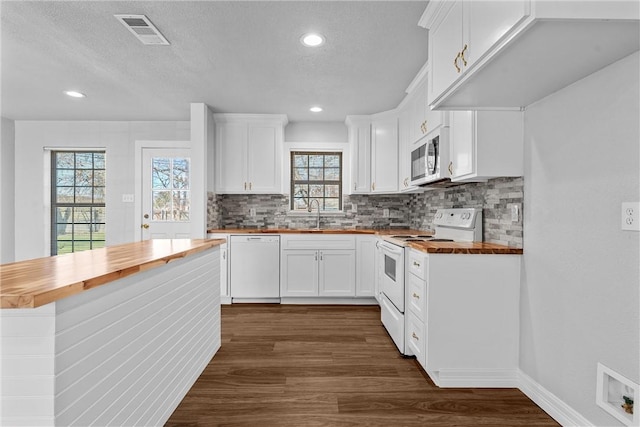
<point>329,300</point>
<point>550,403</point>
<point>478,378</point>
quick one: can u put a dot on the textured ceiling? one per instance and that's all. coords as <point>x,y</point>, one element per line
<point>235,56</point>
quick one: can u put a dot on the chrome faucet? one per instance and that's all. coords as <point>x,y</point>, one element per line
<point>310,204</point>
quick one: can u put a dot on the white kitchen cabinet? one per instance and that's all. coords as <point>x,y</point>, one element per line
<point>374,153</point>
<point>360,141</point>
<point>248,153</point>
<point>318,265</point>
<point>463,328</point>
<point>404,153</point>
<point>485,144</point>
<point>365,265</point>
<point>310,273</point>
<point>384,154</point>
<point>337,273</point>
<point>299,273</point>
<point>225,295</point>
<point>462,32</point>
<point>509,54</point>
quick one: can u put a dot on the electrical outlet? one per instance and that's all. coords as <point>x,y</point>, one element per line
<point>385,213</point>
<point>631,216</point>
<point>515,213</point>
<point>252,212</point>
<point>354,208</point>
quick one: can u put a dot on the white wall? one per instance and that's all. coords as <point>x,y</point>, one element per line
<point>32,173</point>
<point>316,132</point>
<point>7,192</point>
<point>580,289</point>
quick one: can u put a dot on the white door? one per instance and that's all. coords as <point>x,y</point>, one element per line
<point>166,193</point>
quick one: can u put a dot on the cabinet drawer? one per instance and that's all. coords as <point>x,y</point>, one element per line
<point>416,338</point>
<point>417,296</point>
<point>318,241</point>
<point>418,264</point>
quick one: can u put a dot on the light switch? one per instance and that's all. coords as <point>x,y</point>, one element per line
<point>127,198</point>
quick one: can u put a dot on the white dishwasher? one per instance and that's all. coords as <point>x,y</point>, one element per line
<point>254,270</point>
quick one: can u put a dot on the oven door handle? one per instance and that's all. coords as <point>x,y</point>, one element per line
<point>387,247</point>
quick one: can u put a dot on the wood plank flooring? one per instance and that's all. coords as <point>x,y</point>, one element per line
<point>291,365</point>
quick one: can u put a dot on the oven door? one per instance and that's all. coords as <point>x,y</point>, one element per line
<point>393,274</point>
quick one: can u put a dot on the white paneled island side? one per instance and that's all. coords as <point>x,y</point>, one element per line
<point>113,336</point>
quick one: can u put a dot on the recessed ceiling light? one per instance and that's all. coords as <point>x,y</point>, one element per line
<point>312,40</point>
<point>75,94</point>
<point>315,109</point>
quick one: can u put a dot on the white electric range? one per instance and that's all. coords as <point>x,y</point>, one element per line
<point>450,225</point>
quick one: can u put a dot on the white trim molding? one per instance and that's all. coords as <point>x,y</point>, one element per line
<point>550,403</point>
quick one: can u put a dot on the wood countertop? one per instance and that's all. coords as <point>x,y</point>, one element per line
<point>380,232</point>
<point>32,283</point>
<point>465,248</point>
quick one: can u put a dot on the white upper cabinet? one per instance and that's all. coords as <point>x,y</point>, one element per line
<point>485,144</point>
<point>374,153</point>
<point>404,150</point>
<point>384,154</point>
<point>508,54</point>
<point>248,154</point>
<point>360,141</point>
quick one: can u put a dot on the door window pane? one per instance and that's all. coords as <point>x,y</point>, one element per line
<point>171,198</point>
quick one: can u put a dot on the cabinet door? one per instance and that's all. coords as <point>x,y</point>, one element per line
<point>224,271</point>
<point>337,273</point>
<point>361,158</point>
<point>488,22</point>
<point>404,142</point>
<point>445,42</point>
<point>231,145</point>
<point>365,266</point>
<point>264,157</point>
<point>299,273</point>
<point>462,143</point>
<point>384,155</point>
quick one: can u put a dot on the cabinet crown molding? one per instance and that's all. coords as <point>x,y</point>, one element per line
<point>239,117</point>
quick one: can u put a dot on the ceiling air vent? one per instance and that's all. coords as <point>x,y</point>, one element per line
<point>142,28</point>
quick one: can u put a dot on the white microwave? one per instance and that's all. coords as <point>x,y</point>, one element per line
<point>430,157</point>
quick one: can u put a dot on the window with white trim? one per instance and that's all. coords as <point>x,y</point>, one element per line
<point>316,176</point>
<point>77,201</point>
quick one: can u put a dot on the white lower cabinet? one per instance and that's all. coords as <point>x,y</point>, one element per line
<point>463,320</point>
<point>365,265</point>
<point>299,273</point>
<point>318,265</point>
<point>225,292</point>
<point>309,273</point>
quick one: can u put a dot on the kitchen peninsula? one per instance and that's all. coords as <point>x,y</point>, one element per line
<point>112,336</point>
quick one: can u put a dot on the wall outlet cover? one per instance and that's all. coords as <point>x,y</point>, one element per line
<point>354,207</point>
<point>385,213</point>
<point>127,198</point>
<point>630,216</point>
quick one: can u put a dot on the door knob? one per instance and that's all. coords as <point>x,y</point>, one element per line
<point>145,226</point>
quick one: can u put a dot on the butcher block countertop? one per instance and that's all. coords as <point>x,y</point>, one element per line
<point>36,282</point>
<point>380,232</point>
<point>465,248</point>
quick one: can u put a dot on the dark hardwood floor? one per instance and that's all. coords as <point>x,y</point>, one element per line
<point>289,365</point>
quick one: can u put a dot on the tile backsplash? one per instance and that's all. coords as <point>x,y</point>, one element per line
<point>415,211</point>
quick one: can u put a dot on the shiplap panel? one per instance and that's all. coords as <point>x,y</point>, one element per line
<point>150,397</point>
<point>27,370</point>
<point>120,355</point>
<point>151,341</point>
<point>107,337</point>
<point>118,387</point>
